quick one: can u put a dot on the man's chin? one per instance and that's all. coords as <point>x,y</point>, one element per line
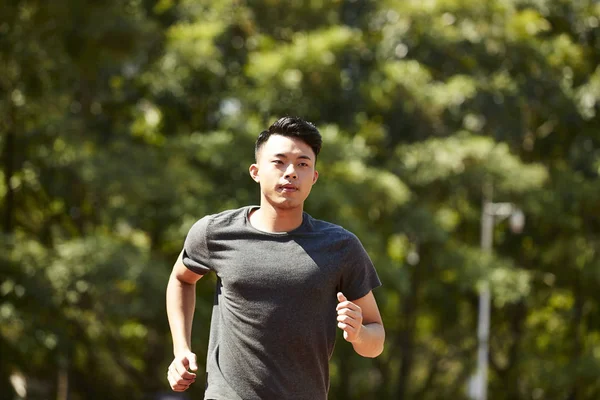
<point>286,204</point>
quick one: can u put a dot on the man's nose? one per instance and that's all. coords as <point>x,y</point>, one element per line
<point>290,172</point>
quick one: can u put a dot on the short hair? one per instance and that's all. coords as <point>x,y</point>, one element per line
<point>293,127</point>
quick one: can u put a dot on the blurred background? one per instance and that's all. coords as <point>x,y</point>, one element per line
<point>123,122</point>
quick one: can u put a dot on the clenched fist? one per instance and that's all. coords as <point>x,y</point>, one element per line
<point>179,373</point>
<point>349,317</point>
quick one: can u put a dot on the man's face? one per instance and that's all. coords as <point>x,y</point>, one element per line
<point>285,170</point>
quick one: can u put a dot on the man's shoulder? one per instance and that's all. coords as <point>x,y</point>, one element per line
<point>226,218</point>
<point>229,216</point>
<point>331,229</point>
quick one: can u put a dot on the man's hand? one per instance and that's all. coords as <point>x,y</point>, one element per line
<point>180,378</point>
<point>349,317</point>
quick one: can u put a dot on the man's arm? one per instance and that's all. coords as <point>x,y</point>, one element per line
<point>362,325</point>
<point>181,302</point>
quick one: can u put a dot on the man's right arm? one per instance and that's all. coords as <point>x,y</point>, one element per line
<point>181,302</point>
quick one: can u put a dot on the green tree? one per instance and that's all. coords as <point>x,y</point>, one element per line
<point>124,122</point>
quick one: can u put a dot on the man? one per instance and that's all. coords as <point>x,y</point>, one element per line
<point>283,280</point>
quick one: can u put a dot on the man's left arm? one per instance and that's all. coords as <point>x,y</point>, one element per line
<point>362,325</point>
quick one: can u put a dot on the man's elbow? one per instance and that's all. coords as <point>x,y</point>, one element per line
<point>376,351</point>
<point>370,353</point>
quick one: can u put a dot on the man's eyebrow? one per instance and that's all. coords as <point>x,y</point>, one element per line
<point>303,156</point>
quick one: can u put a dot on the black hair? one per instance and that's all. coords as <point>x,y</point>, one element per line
<point>293,127</point>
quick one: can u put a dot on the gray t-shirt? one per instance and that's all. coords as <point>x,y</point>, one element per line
<point>273,326</point>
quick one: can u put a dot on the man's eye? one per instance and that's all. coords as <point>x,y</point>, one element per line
<point>277,162</point>
<point>303,164</point>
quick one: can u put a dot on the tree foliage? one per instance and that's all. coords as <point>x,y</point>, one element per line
<point>124,122</point>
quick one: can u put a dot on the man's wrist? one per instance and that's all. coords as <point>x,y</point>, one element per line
<point>181,351</point>
<point>364,333</point>
<point>358,337</point>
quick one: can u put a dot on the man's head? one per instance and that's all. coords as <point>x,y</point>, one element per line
<point>286,155</point>
<point>292,127</point>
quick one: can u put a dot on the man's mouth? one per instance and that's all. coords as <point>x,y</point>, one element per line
<point>288,188</point>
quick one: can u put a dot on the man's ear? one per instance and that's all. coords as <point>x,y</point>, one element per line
<point>315,176</point>
<point>254,172</point>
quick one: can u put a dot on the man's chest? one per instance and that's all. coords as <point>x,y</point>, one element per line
<point>272,269</point>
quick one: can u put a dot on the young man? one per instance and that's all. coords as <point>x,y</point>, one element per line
<point>283,280</point>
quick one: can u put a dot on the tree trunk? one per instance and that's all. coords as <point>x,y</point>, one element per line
<point>9,170</point>
<point>406,336</point>
<point>343,390</point>
<point>577,329</point>
<point>62,392</point>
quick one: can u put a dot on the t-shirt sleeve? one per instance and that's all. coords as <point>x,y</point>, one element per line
<point>196,255</point>
<point>359,276</point>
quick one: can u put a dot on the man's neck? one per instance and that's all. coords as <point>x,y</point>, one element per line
<point>270,219</point>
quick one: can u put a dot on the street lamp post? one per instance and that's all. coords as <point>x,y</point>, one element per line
<point>490,214</point>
